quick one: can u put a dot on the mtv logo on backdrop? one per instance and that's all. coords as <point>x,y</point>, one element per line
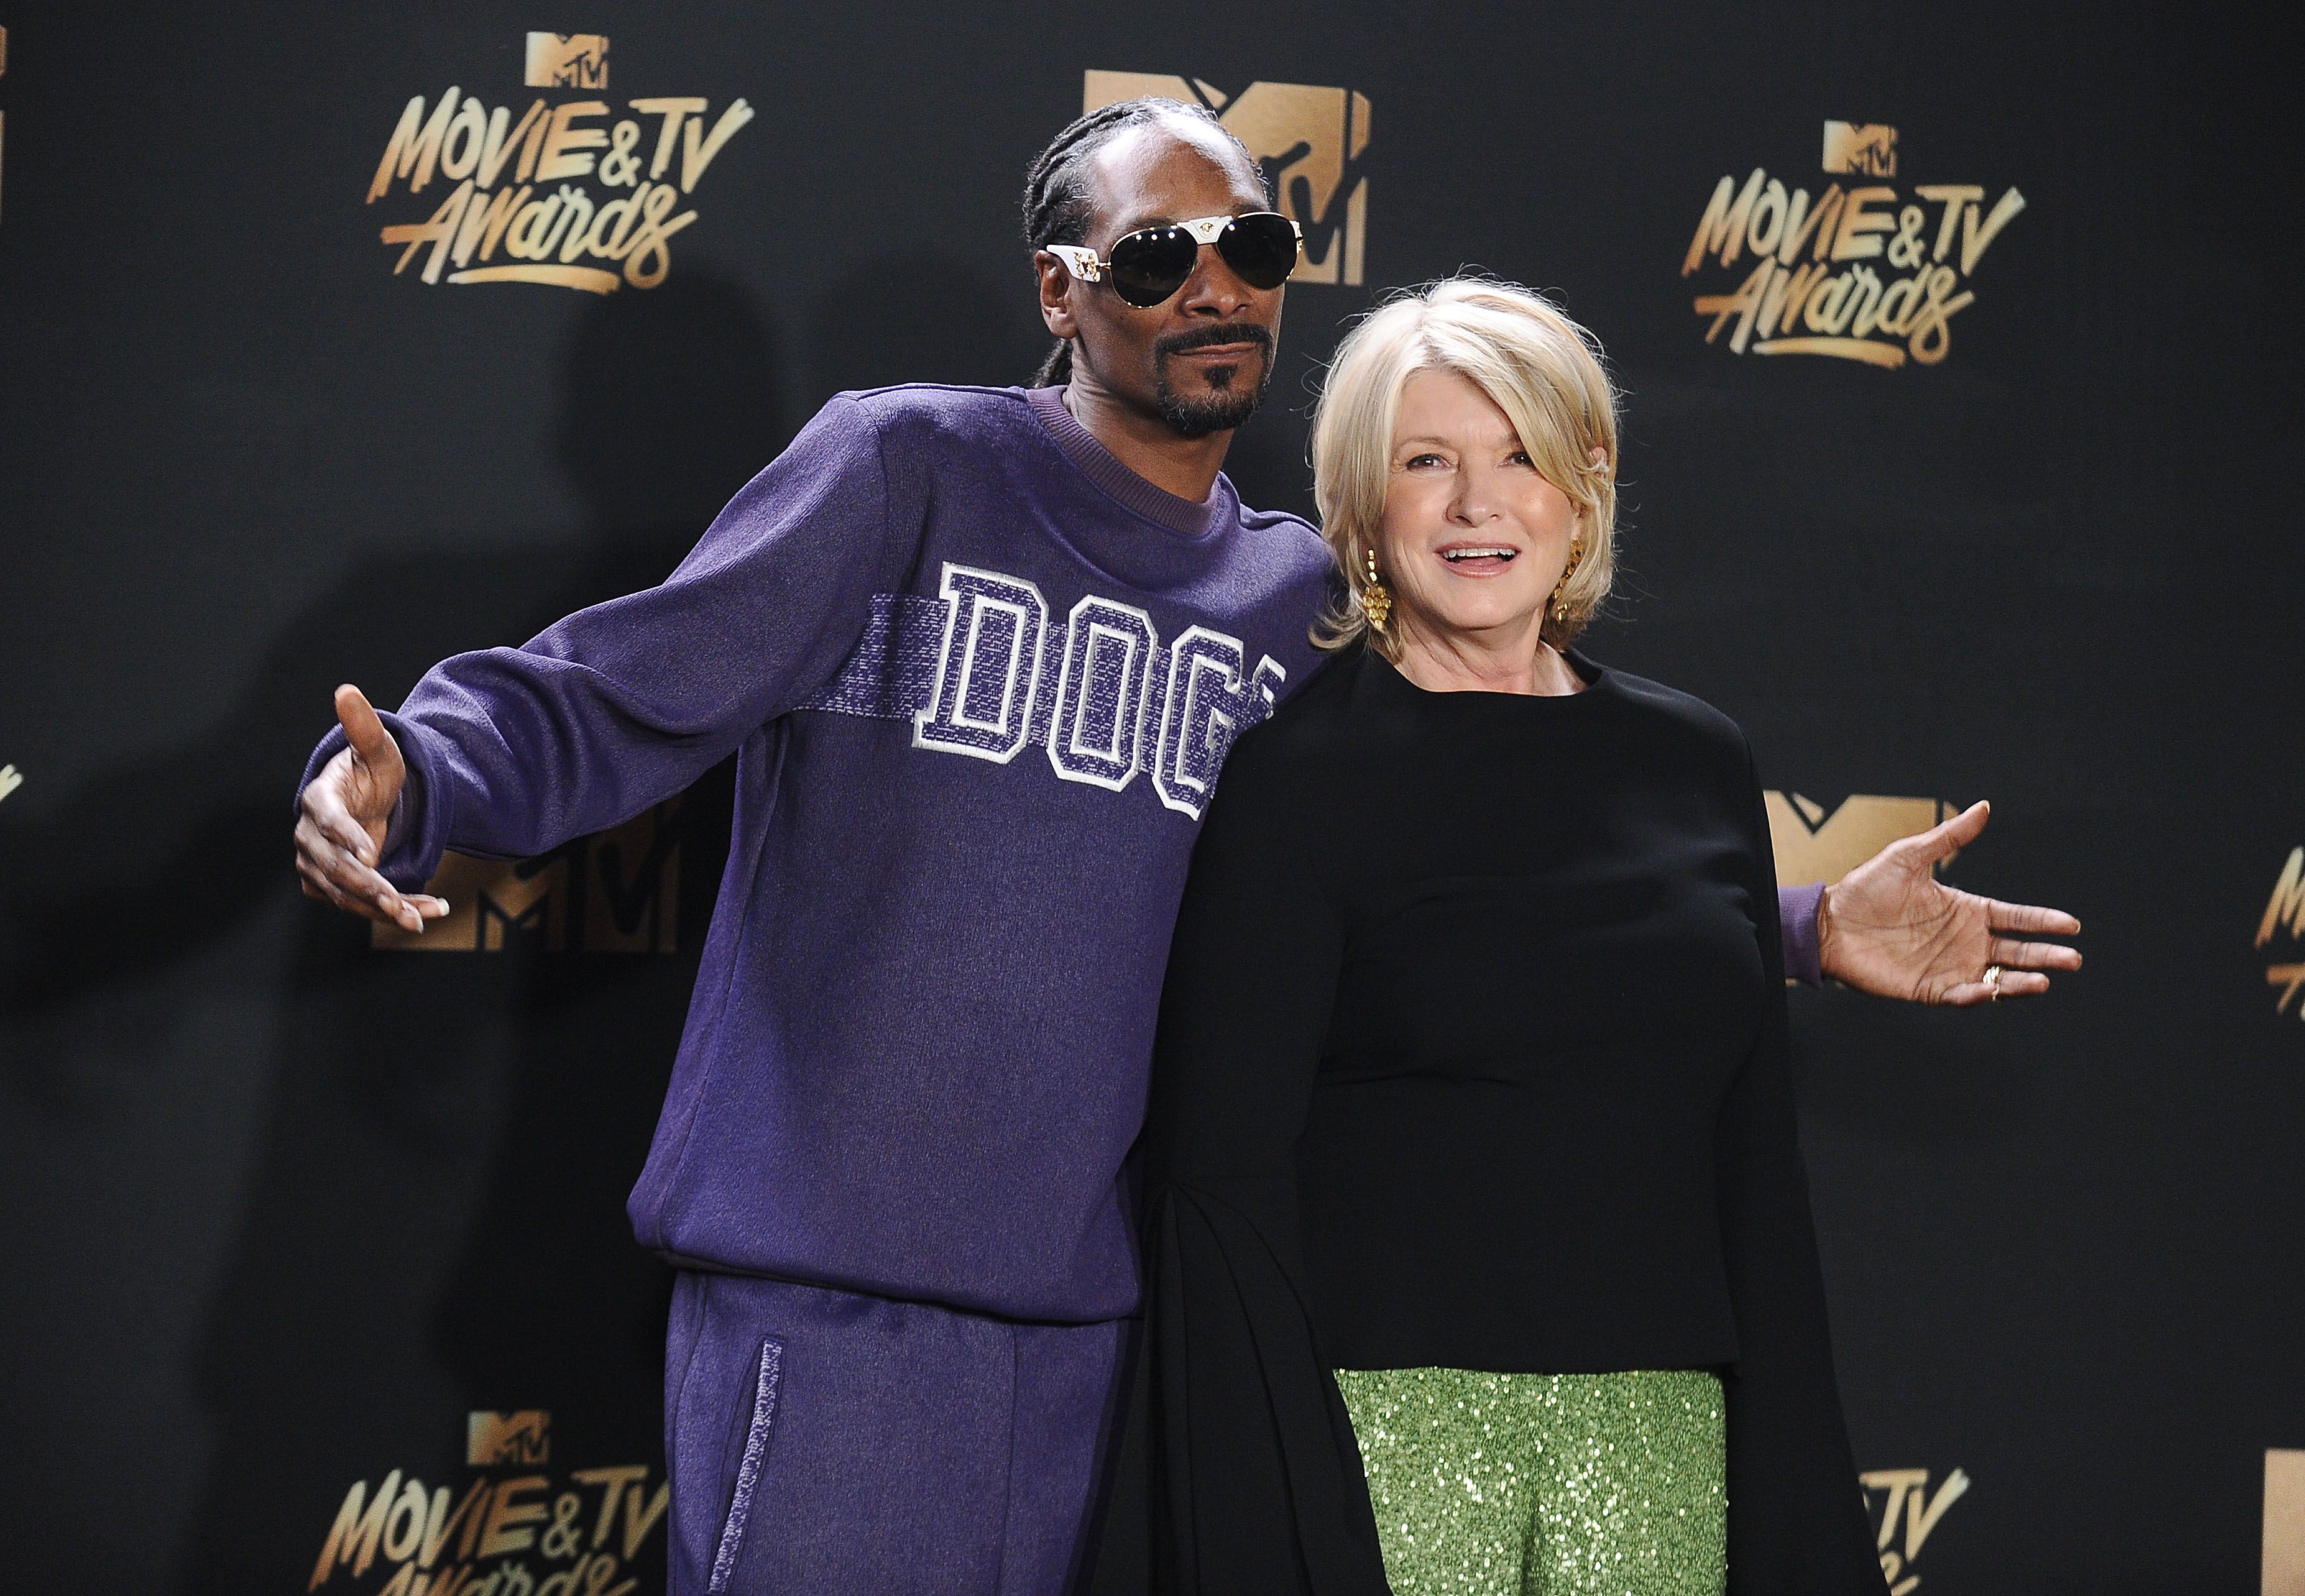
<point>1309,142</point>
<point>522,1437</point>
<point>1908,1515</point>
<point>619,892</point>
<point>1813,846</point>
<point>567,61</point>
<point>1861,149</point>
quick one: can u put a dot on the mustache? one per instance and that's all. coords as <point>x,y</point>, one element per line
<point>1231,332</point>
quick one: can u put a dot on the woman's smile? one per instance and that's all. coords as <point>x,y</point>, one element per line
<point>1477,559</point>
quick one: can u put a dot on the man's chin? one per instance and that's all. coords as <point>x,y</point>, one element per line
<point>1208,406</point>
<point>1199,414</point>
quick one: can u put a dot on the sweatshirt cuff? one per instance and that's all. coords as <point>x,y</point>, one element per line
<point>1797,912</point>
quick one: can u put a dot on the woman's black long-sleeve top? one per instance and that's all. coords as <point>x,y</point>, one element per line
<point>1472,1055</point>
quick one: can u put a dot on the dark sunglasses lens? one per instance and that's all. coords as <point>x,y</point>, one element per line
<point>1149,265</point>
<point>1261,248</point>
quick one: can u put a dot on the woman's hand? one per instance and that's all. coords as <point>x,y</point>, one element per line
<point>1891,927</point>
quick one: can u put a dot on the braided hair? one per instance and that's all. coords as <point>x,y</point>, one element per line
<point>1058,210</point>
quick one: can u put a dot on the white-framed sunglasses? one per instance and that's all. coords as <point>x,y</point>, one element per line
<point>1151,264</point>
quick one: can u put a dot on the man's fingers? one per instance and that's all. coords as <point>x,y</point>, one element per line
<point>365,732</point>
<point>355,885</point>
<point>317,885</point>
<point>2030,917</point>
<point>325,809</point>
<point>346,835</point>
<point>327,824</point>
<point>2013,954</point>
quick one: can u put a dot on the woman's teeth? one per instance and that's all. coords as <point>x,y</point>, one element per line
<point>1478,554</point>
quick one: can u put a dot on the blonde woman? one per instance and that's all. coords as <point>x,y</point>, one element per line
<point>1478,1251</point>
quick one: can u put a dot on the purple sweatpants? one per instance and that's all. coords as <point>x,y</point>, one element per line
<point>823,1442</point>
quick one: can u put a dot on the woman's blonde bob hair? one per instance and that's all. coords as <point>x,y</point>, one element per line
<point>1542,370</point>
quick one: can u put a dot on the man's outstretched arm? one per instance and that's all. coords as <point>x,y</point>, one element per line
<point>1891,927</point>
<point>507,752</point>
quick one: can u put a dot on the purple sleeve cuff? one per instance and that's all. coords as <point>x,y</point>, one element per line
<point>1797,912</point>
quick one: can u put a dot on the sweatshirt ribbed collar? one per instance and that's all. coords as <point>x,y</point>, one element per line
<point>1155,503</point>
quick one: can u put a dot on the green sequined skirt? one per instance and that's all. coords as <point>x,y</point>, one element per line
<point>1544,1484</point>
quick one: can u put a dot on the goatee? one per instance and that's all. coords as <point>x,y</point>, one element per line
<point>1228,406</point>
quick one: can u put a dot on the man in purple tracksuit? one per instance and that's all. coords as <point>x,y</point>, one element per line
<point>981,653</point>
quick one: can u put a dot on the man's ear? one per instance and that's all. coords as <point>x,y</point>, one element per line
<point>1055,294</point>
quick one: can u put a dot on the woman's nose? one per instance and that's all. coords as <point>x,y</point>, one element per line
<point>1476,498</point>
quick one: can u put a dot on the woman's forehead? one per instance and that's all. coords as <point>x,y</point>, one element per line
<point>1443,406</point>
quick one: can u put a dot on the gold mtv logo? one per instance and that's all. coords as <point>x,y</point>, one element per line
<point>1812,846</point>
<point>567,61</point>
<point>619,892</point>
<point>1861,148</point>
<point>522,1437</point>
<point>1908,1514</point>
<point>1309,143</point>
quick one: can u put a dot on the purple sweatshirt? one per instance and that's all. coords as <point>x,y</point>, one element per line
<point>980,677</point>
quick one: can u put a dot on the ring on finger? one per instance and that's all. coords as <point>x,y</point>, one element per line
<point>1993,983</point>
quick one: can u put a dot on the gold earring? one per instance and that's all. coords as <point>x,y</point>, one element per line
<point>1376,598</point>
<point>1560,609</point>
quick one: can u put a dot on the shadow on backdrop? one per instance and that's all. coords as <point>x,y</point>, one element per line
<point>919,318</point>
<point>435,1219</point>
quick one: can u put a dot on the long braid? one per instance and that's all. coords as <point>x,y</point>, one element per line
<point>1058,207</point>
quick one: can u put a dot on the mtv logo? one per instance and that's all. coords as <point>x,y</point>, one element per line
<point>522,1437</point>
<point>1863,149</point>
<point>619,892</point>
<point>1812,846</point>
<point>1308,142</point>
<point>1908,1490</point>
<point>567,61</point>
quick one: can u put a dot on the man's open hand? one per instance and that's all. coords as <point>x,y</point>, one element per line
<point>346,807</point>
<point>1891,927</point>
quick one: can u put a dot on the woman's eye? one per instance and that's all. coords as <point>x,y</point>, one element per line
<point>1417,459</point>
<point>1520,457</point>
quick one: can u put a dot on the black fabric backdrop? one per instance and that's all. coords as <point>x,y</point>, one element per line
<point>283,1208</point>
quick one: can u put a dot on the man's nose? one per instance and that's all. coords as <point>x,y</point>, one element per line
<point>1213,290</point>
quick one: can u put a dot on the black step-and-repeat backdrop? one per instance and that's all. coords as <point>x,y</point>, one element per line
<point>1961,363</point>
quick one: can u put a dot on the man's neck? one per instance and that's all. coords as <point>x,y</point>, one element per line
<point>1148,446</point>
